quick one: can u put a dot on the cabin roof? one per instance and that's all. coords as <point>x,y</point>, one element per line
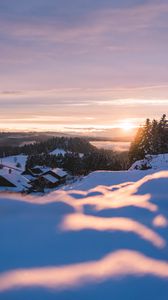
<point>59,172</point>
<point>50,178</point>
<point>40,169</point>
<point>14,177</point>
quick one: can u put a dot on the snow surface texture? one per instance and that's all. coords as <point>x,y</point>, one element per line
<point>154,162</point>
<point>109,242</point>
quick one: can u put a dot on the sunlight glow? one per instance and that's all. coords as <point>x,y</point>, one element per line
<point>127,126</point>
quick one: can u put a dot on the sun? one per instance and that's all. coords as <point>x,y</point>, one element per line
<point>127,126</point>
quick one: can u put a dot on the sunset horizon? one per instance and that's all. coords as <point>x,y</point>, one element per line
<point>84,149</point>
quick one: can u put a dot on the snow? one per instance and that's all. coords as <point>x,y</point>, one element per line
<point>15,177</point>
<point>12,161</point>
<point>107,178</point>
<point>154,162</point>
<point>94,241</point>
<point>43,169</point>
<point>58,151</point>
<point>50,178</point>
<point>59,172</point>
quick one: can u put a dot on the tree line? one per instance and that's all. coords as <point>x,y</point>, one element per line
<point>80,156</point>
<point>71,144</point>
<point>76,164</point>
<point>152,138</point>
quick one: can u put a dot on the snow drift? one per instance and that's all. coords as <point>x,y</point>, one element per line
<point>154,162</point>
<point>109,241</point>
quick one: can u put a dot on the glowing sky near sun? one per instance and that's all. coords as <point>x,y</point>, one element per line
<point>82,65</point>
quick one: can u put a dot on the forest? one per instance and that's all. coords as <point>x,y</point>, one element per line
<point>151,138</point>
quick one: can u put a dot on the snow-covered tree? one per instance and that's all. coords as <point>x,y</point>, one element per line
<point>152,138</point>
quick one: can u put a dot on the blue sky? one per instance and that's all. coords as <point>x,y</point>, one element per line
<point>82,63</point>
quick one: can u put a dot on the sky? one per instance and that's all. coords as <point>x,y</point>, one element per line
<point>87,66</point>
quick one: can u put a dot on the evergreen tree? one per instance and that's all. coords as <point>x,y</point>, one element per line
<point>145,142</point>
<point>151,139</point>
<point>136,150</point>
<point>154,137</point>
<point>163,135</point>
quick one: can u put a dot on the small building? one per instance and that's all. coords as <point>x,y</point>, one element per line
<point>13,180</point>
<point>44,181</point>
<point>58,173</point>
<point>35,172</point>
<point>49,179</point>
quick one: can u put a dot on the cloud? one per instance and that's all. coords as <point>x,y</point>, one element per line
<point>96,57</point>
<point>93,28</point>
<point>116,95</point>
<point>95,22</point>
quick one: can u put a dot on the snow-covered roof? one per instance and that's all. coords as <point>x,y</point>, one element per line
<point>43,169</point>
<point>12,161</point>
<point>59,172</point>
<point>50,178</point>
<point>16,178</point>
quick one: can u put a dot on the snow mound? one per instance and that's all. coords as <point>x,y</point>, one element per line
<point>154,162</point>
<point>106,242</point>
<point>106,178</point>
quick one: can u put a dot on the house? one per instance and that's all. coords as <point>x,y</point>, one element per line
<point>13,180</point>
<point>58,173</point>
<point>36,171</point>
<point>44,181</point>
<point>49,179</point>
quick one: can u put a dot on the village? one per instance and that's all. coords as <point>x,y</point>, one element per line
<point>15,177</point>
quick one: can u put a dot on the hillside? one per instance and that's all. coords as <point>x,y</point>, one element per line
<point>66,144</point>
<point>103,238</point>
<point>107,178</point>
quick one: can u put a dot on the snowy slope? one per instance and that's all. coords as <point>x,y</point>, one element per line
<point>154,162</point>
<point>58,152</point>
<point>107,178</point>
<point>108,242</point>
